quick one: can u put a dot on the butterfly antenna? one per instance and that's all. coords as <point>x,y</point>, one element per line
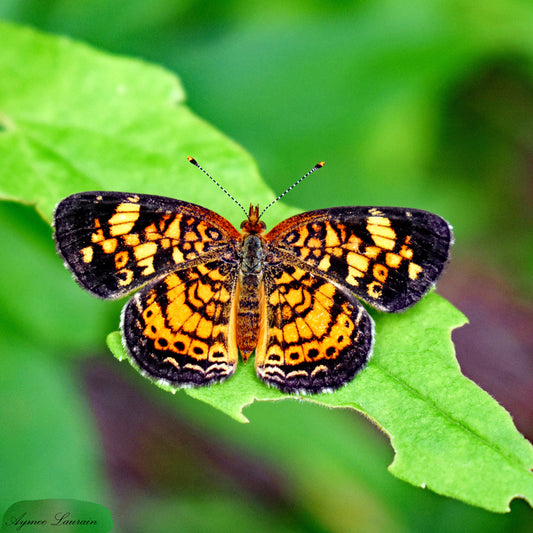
<point>195,163</point>
<point>316,167</point>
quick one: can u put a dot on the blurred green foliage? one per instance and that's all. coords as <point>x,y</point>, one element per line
<point>427,104</point>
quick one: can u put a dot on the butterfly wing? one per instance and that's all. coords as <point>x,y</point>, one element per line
<point>317,335</point>
<point>115,242</point>
<point>181,329</point>
<point>388,256</point>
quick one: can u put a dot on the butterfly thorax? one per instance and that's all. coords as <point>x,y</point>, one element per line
<point>250,289</point>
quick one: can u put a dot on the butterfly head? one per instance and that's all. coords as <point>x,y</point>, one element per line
<point>253,225</point>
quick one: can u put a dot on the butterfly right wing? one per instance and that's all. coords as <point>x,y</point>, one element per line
<point>115,242</point>
<point>316,334</point>
<point>388,256</point>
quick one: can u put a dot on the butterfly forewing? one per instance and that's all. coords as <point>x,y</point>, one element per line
<point>116,242</point>
<point>388,256</point>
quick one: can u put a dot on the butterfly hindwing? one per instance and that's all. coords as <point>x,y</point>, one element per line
<point>180,329</point>
<point>388,256</point>
<point>317,334</point>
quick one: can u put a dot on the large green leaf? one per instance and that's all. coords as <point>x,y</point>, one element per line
<point>75,119</point>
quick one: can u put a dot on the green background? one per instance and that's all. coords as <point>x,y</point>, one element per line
<point>425,104</point>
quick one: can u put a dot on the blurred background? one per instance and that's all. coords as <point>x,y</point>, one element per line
<point>425,104</point>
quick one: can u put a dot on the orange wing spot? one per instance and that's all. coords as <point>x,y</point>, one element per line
<point>131,239</point>
<point>165,243</point>
<point>204,291</point>
<point>126,276</point>
<point>120,229</point>
<point>121,259</point>
<point>152,233</point>
<point>147,249</point>
<point>203,269</point>
<point>325,263</point>
<point>380,272</point>
<point>124,217</point>
<point>198,350</point>
<point>352,243</point>
<point>190,325</point>
<point>313,242</point>
<point>406,252</point>
<point>199,246</point>
<point>173,230</point>
<point>414,270</point>
<point>353,273</point>
<point>87,254</point>
<point>148,263</point>
<point>190,236</point>
<point>294,297</point>
<point>382,242</point>
<point>274,353</point>
<point>332,239</point>
<point>285,278</point>
<point>357,261</point>
<point>304,252</point>
<point>393,260</point>
<point>177,314</point>
<point>294,355</point>
<point>372,252</point>
<point>374,289</point>
<point>109,245</point>
<point>290,333</point>
<point>303,233</point>
<point>98,235</point>
<point>215,275</point>
<point>204,329</point>
<point>218,348</point>
<point>377,220</point>
<point>177,256</point>
<point>172,281</point>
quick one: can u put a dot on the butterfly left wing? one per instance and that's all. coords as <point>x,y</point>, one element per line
<point>114,242</point>
<point>388,256</point>
<point>180,329</point>
<point>316,335</point>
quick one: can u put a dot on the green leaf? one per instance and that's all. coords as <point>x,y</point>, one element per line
<point>449,435</point>
<point>76,119</point>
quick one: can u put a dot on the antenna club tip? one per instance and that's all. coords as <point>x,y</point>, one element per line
<point>321,164</point>
<point>192,160</point>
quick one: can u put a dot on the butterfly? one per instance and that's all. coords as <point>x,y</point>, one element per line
<point>209,291</point>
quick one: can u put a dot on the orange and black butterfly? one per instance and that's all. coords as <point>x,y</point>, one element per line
<point>210,291</point>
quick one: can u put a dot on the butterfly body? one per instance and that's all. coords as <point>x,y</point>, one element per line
<point>208,291</point>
